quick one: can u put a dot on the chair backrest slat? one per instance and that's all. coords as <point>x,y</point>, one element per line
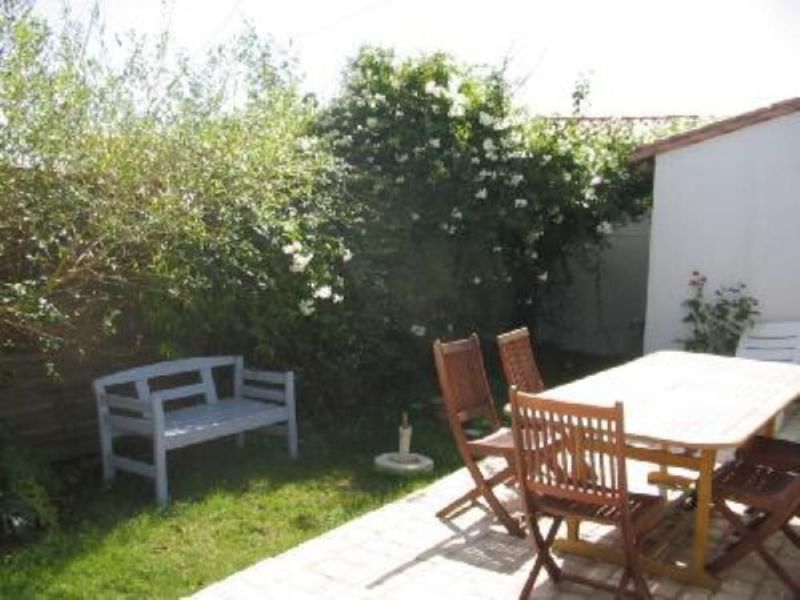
<point>570,451</point>
<point>519,364</point>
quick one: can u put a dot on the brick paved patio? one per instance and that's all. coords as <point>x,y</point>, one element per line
<point>403,551</point>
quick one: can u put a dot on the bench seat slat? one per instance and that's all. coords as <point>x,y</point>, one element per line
<point>209,421</point>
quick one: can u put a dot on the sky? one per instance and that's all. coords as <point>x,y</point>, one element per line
<point>641,57</point>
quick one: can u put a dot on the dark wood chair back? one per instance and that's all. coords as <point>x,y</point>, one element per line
<point>465,387</point>
<point>568,451</point>
<point>519,364</point>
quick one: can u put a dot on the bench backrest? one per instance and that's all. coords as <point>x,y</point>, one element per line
<point>141,378</point>
<point>777,341</point>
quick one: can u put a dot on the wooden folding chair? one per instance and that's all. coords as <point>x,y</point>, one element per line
<point>466,394</point>
<point>575,436</point>
<point>782,455</point>
<point>774,495</point>
<point>519,364</point>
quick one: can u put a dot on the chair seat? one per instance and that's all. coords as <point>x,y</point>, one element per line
<point>645,510</point>
<point>758,486</point>
<point>501,441</point>
<point>771,452</point>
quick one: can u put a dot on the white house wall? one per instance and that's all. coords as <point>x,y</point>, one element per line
<point>728,207</point>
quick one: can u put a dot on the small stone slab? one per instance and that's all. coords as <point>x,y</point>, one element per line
<point>397,464</point>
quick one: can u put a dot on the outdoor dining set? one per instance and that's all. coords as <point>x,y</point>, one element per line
<point>567,447</point>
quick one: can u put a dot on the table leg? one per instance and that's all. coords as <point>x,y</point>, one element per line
<point>573,529</point>
<point>702,519</point>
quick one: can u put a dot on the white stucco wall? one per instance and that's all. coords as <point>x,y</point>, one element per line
<point>728,207</point>
<point>602,310</point>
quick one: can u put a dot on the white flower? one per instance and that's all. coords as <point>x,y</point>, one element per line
<point>380,98</point>
<point>604,228</point>
<point>300,262</point>
<point>488,145</point>
<point>485,119</point>
<point>292,248</point>
<point>399,179</point>
<point>399,114</point>
<point>481,194</point>
<point>596,180</point>
<point>484,173</point>
<point>372,122</point>
<point>401,158</point>
<point>337,298</point>
<point>418,330</point>
<point>306,307</point>
<point>517,179</point>
<point>456,110</point>
<point>476,280</point>
<point>567,176</point>
<point>430,87</point>
<point>323,292</point>
<point>434,143</point>
<point>520,203</point>
<point>543,277</point>
<point>456,214</point>
<point>414,216</point>
<point>475,160</point>
<point>347,255</point>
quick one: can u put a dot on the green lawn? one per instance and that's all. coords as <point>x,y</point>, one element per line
<point>231,509</point>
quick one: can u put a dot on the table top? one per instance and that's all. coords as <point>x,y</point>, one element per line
<point>688,399</point>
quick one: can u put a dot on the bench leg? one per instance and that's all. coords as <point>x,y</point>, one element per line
<point>291,421</point>
<point>291,436</point>
<point>106,452</point>
<point>240,440</point>
<point>160,463</point>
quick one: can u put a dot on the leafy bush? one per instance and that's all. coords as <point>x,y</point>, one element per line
<point>181,208</point>
<point>26,487</point>
<point>717,324</point>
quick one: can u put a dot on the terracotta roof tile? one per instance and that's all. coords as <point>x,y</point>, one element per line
<point>718,128</point>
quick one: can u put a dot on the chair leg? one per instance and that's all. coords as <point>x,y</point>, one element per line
<point>483,487</point>
<point>543,556</point>
<point>789,533</point>
<point>475,493</point>
<point>633,566</point>
<point>752,540</point>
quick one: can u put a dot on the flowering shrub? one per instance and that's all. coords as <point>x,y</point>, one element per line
<point>467,204</point>
<point>716,325</point>
<point>179,208</point>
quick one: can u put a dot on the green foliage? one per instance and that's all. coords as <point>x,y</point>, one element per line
<point>165,209</point>
<point>182,208</point>
<point>717,324</point>
<point>467,203</point>
<point>26,488</point>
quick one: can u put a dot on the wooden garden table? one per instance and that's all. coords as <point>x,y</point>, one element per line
<point>680,409</point>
